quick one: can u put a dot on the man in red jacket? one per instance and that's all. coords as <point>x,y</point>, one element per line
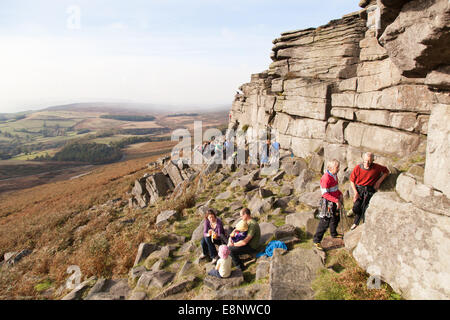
<point>331,202</point>
<point>365,179</point>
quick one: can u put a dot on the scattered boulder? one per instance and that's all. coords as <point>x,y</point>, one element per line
<point>78,291</point>
<point>165,217</point>
<point>285,231</point>
<point>279,176</point>
<point>11,258</point>
<point>136,272</point>
<point>316,163</point>
<point>224,195</point>
<point>175,288</point>
<point>155,279</point>
<point>311,198</point>
<point>187,265</point>
<point>144,250</point>
<point>258,206</point>
<point>187,248</point>
<point>235,279</point>
<point>291,274</point>
<point>295,167</point>
<point>276,212</point>
<point>267,231</point>
<point>283,202</point>
<point>262,183</point>
<point>299,219</point>
<point>236,206</point>
<point>198,232</point>
<point>264,193</point>
<point>302,180</point>
<point>286,190</point>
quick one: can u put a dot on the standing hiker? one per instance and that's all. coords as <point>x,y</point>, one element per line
<point>365,179</point>
<point>330,204</point>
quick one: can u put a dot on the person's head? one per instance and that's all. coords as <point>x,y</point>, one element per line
<point>242,226</point>
<point>224,251</point>
<point>333,166</point>
<point>210,215</point>
<point>368,159</point>
<point>245,214</point>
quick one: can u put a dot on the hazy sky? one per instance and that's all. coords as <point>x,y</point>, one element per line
<point>195,52</point>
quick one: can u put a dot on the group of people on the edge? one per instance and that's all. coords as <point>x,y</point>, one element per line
<point>365,180</point>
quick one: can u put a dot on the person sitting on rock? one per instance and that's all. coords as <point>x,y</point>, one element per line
<point>250,244</point>
<point>331,203</point>
<point>240,232</point>
<point>223,266</point>
<point>365,180</point>
<point>213,233</point>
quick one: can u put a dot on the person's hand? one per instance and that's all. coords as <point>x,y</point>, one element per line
<point>355,197</point>
<point>377,185</point>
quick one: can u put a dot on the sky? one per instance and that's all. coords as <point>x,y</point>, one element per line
<point>171,52</point>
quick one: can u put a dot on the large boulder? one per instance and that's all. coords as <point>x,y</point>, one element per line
<point>158,185</point>
<point>291,274</point>
<point>437,167</point>
<point>406,247</point>
<point>173,172</point>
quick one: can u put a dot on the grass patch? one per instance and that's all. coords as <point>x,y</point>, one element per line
<point>348,282</point>
<point>42,286</point>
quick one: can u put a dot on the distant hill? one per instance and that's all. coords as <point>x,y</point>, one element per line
<point>140,108</point>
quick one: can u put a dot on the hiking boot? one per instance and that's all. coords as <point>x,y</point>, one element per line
<point>318,246</point>
<point>202,256</point>
<point>338,236</point>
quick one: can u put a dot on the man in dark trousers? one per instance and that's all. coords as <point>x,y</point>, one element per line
<point>330,204</point>
<point>365,179</point>
<point>250,244</point>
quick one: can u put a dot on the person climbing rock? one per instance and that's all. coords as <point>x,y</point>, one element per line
<point>250,244</point>
<point>213,233</point>
<point>365,180</point>
<point>330,204</point>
